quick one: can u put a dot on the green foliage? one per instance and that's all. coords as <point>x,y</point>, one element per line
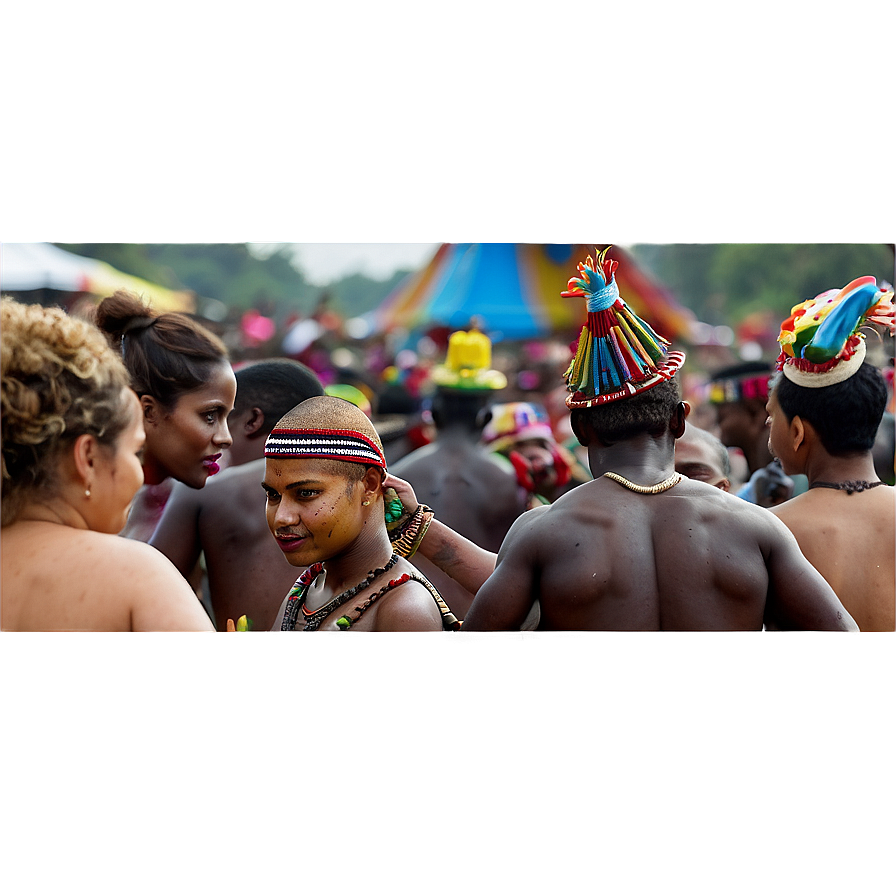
<point>779,276</point>
<point>723,283</point>
<point>357,294</point>
<point>228,272</point>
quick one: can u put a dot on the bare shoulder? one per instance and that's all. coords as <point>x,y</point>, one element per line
<point>828,509</point>
<point>160,598</point>
<point>798,510</point>
<point>530,529</point>
<point>409,607</point>
<point>138,560</point>
<point>242,483</point>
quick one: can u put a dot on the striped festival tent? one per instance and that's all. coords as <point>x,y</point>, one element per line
<point>514,289</point>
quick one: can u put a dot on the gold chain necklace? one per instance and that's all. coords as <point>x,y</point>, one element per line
<point>663,486</point>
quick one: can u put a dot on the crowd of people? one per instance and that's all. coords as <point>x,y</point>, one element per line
<point>180,490</point>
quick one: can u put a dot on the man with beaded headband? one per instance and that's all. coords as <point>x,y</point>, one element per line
<point>824,412</point>
<point>640,547</point>
<point>326,508</point>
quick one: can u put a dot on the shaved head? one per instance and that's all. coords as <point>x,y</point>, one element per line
<point>326,427</point>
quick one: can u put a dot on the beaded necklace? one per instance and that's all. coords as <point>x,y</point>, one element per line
<point>663,486</point>
<point>849,486</point>
<point>313,619</point>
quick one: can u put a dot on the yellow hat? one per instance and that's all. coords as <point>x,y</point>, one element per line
<point>467,365</point>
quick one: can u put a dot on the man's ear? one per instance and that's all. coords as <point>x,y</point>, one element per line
<point>801,433</point>
<point>583,431</point>
<point>483,418</point>
<point>678,419</point>
<point>253,426</point>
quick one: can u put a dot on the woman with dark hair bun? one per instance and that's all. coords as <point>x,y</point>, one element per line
<point>72,439</point>
<point>186,386</point>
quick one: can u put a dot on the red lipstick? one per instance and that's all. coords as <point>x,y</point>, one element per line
<point>290,543</point>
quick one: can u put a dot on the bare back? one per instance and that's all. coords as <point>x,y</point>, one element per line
<point>851,541</point>
<point>689,559</point>
<point>58,578</point>
<point>247,573</point>
<point>472,493</point>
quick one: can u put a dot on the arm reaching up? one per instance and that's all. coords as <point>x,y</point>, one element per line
<point>467,563</point>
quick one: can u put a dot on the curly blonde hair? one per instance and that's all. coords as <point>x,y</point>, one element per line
<point>60,380</point>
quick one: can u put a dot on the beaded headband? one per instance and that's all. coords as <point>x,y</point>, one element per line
<point>820,342</point>
<point>332,444</point>
<point>618,354</point>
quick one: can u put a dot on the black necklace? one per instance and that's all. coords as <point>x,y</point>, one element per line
<point>848,485</point>
<point>315,618</point>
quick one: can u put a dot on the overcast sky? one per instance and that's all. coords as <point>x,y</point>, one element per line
<point>324,262</point>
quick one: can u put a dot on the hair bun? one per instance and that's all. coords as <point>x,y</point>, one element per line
<point>123,312</point>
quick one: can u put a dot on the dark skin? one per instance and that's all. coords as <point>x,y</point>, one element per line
<point>692,558</point>
<point>742,425</point>
<point>247,573</point>
<point>470,491</point>
<point>340,522</point>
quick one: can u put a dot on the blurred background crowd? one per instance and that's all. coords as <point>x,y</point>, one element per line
<point>374,332</point>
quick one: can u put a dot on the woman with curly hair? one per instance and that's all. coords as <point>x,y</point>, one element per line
<point>186,387</point>
<point>72,444</point>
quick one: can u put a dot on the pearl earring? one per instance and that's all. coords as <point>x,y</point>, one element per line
<point>86,492</point>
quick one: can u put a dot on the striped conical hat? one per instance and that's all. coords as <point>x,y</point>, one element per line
<point>618,354</point>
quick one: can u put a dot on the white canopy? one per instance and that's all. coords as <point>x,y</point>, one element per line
<point>25,266</point>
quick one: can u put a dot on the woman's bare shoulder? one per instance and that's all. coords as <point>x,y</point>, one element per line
<point>409,606</point>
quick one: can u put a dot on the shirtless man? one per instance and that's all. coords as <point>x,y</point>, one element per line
<point>739,394</point>
<point>247,574</point>
<point>471,490</point>
<point>700,455</point>
<point>823,425</point>
<point>640,547</point>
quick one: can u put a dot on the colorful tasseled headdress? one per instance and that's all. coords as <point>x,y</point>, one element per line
<point>618,355</point>
<point>820,341</point>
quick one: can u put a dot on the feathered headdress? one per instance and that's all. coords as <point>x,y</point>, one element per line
<point>820,341</point>
<point>618,355</point>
